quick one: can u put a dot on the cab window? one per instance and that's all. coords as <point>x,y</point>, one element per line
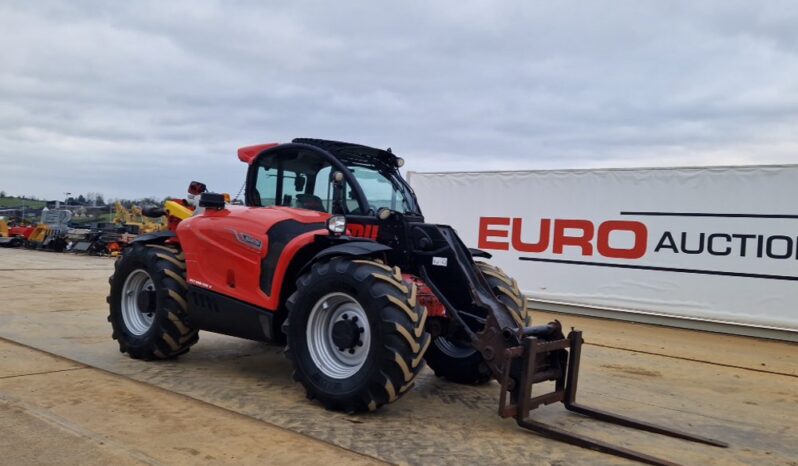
<point>300,180</point>
<point>379,190</point>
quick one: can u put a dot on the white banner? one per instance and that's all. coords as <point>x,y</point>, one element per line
<point>717,243</point>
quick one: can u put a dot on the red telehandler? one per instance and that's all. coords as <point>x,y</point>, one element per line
<point>331,257</point>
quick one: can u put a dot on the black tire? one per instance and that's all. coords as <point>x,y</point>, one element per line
<point>14,242</point>
<point>396,322</point>
<point>462,363</point>
<point>506,289</point>
<point>456,362</point>
<point>170,333</point>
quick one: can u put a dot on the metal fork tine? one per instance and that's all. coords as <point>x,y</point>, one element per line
<point>593,444</point>
<point>629,422</point>
<point>570,402</point>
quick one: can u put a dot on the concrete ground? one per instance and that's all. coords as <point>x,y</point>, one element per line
<point>67,396</point>
<point>57,411</point>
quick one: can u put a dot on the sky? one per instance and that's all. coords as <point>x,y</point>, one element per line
<point>137,98</point>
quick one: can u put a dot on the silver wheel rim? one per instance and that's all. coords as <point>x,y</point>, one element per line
<point>331,360</point>
<point>137,321</point>
<point>453,349</point>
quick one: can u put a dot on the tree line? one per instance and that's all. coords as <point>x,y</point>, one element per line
<point>90,199</point>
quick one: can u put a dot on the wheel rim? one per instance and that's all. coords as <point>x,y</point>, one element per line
<point>328,311</point>
<point>137,320</point>
<point>452,349</point>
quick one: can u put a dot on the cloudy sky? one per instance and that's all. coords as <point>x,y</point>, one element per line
<point>137,98</point>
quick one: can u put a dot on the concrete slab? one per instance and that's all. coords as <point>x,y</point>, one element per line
<point>681,378</point>
<point>15,361</point>
<point>26,438</point>
<point>86,416</point>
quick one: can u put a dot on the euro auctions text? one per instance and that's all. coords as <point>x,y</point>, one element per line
<point>589,238</point>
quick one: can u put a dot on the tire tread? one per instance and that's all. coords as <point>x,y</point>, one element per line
<point>402,322</point>
<point>173,334</point>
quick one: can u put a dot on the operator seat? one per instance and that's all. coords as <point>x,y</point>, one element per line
<point>310,202</point>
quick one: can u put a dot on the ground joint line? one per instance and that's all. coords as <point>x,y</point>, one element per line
<point>4,377</point>
<point>683,358</point>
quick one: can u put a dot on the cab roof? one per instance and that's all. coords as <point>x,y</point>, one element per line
<point>248,154</point>
<point>355,154</point>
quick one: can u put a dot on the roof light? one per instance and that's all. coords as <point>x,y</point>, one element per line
<point>384,213</point>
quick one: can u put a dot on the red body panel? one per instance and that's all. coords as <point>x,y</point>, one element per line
<point>426,297</point>
<point>224,249</point>
<point>248,154</point>
<point>20,231</point>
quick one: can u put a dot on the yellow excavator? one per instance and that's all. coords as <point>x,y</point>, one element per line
<point>134,218</point>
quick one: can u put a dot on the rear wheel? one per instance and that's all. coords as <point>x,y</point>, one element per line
<point>355,334</point>
<point>148,303</point>
<point>460,362</point>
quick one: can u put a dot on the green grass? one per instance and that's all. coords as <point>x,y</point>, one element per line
<point>103,218</point>
<point>13,202</point>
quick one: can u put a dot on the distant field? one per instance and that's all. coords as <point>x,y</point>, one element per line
<point>12,202</point>
<point>104,218</point>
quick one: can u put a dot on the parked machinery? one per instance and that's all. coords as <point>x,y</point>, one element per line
<point>134,220</point>
<point>332,257</point>
<point>14,235</point>
<point>51,233</point>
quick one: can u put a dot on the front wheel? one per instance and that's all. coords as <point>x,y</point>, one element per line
<point>355,334</point>
<point>461,362</point>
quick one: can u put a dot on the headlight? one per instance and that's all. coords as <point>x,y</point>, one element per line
<point>337,224</point>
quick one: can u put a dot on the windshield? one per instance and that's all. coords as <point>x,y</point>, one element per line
<point>382,190</point>
<point>304,179</point>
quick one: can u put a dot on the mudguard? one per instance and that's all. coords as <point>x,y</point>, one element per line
<point>479,253</point>
<point>156,237</point>
<point>353,248</point>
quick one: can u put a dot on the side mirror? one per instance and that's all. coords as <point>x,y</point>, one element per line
<point>196,188</point>
<point>299,183</point>
<point>212,200</point>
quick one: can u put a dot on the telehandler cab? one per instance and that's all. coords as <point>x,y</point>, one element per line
<point>331,256</point>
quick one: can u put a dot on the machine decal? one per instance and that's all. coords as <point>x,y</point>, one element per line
<point>363,231</point>
<point>247,240</point>
<point>200,284</point>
